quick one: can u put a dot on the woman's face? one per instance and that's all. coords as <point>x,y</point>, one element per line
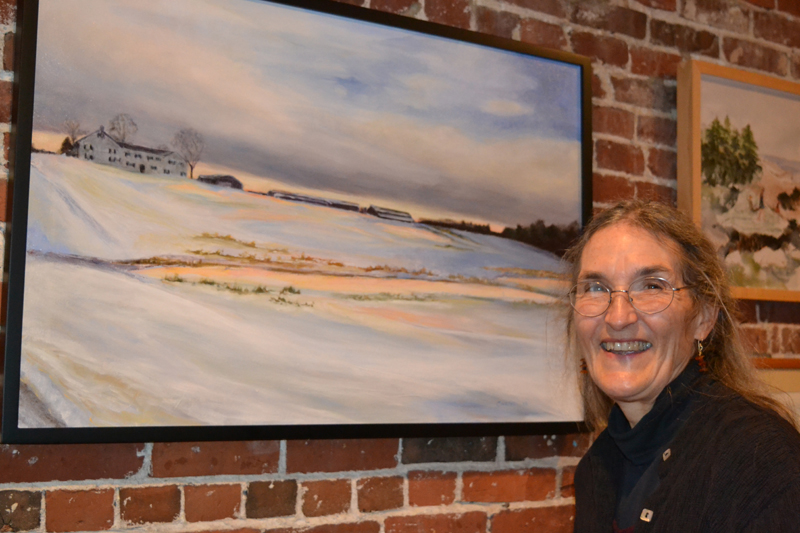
<point>654,348</point>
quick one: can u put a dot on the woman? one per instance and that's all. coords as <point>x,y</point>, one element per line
<point>692,443</point>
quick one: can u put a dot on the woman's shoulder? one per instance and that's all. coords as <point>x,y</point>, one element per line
<point>729,430</point>
<point>723,411</point>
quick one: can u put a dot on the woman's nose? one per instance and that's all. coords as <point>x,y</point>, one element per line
<point>621,312</point>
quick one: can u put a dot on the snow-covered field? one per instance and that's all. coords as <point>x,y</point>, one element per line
<point>758,212</point>
<point>157,301</point>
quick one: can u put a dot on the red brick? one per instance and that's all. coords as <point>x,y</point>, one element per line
<point>768,4</point>
<point>777,28</point>
<point>541,446</point>
<point>663,164</point>
<point>684,38</point>
<point>666,5</point>
<point>652,93</point>
<point>8,51</point>
<point>542,34</point>
<point>340,455</point>
<point>143,505</point>
<point>657,130</point>
<point>20,510</point>
<point>774,334</point>
<point>610,189</point>
<point>6,146</point>
<point>551,7</point>
<point>5,202</point>
<point>790,340</point>
<point>379,494</point>
<point>6,88</point>
<point>204,503</point>
<point>242,530</point>
<point>509,485</point>
<point>449,449</point>
<point>621,157</point>
<point>568,482</point>
<point>796,66</point>
<point>474,522</point>
<point>597,87</point>
<point>395,6</point>
<point>449,12</point>
<point>755,340</point>
<point>542,519</point>
<point>63,462</point>
<point>613,121</point>
<point>80,510</point>
<point>789,6</point>
<point>655,193</point>
<point>614,19</point>
<point>355,527</point>
<point>431,488</point>
<point>653,63</point>
<point>267,499</point>
<point>720,13</point>
<point>8,11</point>
<point>185,459</point>
<point>747,54</point>
<point>322,498</point>
<point>608,50</point>
<point>500,23</point>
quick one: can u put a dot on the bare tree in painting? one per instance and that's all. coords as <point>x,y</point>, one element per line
<point>189,143</point>
<point>122,127</point>
<point>73,130</point>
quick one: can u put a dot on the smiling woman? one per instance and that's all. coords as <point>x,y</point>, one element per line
<point>651,326</point>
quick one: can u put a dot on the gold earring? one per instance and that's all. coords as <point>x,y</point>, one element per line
<point>584,367</point>
<point>699,357</point>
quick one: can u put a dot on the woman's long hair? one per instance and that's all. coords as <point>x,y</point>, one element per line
<point>702,270</point>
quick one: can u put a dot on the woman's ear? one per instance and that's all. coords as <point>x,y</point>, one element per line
<point>705,321</point>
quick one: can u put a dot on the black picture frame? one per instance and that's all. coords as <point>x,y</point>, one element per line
<point>20,237</point>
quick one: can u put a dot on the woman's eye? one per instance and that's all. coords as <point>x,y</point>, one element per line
<point>652,285</point>
<point>594,287</point>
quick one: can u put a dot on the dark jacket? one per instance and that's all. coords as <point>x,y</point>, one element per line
<point>732,468</point>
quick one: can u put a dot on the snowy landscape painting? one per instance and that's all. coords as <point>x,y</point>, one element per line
<point>244,213</point>
<point>750,195</point>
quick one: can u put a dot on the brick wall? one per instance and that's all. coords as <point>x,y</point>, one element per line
<point>481,484</point>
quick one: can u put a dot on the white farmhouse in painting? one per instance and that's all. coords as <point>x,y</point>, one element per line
<point>100,147</point>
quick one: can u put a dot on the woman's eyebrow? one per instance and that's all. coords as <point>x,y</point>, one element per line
<point>653,270</point>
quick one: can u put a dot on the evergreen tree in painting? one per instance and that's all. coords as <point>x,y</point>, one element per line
<point>729,157</point>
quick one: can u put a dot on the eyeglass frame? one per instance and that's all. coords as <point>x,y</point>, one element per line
<point>627,291</point>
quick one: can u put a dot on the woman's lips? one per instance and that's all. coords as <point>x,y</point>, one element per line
<point>625,347</point>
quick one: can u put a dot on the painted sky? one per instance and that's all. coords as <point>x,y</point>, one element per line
<point>774,116</point>
<point>323,102</point>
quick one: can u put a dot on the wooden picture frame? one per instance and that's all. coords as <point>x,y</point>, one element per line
<point>691,76</point>
<point>354,257</point>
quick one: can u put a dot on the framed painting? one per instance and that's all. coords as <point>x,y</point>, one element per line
<point>739,173</point>
<point>240,219</point>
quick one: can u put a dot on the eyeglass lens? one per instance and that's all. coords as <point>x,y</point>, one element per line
<point>648,295</point>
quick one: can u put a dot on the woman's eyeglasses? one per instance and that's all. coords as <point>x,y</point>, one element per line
<point>592,298</point>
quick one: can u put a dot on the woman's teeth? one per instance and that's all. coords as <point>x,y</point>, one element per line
<point>627,347</point>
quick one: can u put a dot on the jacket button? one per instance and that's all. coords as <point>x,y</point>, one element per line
<point>646,515</point>
<point>666,454</point>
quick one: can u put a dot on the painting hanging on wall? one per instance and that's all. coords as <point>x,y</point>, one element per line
<point>251,219</point>
<point>739,173</point>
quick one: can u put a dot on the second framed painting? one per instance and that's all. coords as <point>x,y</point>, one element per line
<point>739,173</point>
